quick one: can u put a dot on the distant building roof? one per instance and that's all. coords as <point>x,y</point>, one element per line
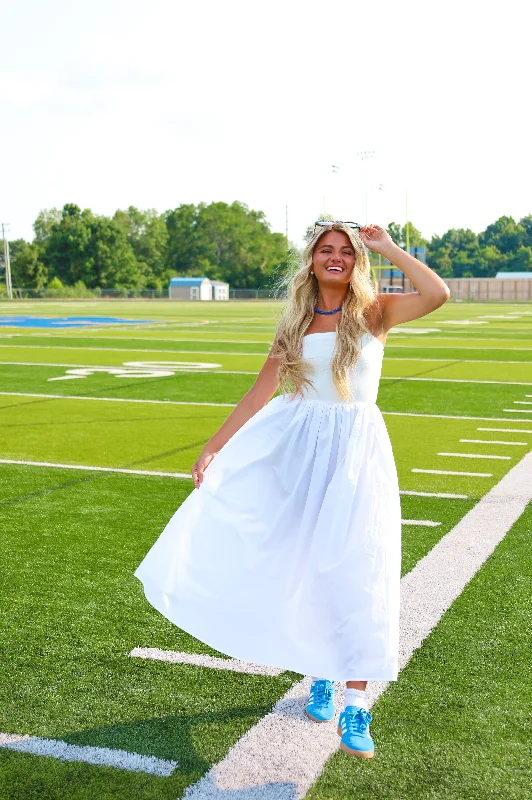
<point>515,275</point>
<point>187,281</point>
<point>219,283</point>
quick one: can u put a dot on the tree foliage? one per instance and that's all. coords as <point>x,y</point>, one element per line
<point>505,246</point>
<point>136,249</point>
<point>398,234</point>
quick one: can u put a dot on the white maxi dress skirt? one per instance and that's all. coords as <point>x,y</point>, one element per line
<point>289,553</point>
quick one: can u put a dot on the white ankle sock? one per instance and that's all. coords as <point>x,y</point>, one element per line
<point>355,697</point>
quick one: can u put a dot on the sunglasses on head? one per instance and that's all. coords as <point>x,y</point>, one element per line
<point>322,223</point>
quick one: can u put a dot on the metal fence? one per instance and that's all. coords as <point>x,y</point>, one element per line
<point>490,289</point>
<point>471,289</point>
<point>126,294</point>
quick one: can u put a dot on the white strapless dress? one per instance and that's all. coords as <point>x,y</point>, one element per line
<point>289,552</point>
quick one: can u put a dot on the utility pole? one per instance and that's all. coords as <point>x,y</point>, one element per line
<point>9,286</point>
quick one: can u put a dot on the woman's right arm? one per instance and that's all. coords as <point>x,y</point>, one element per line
<point>256,398</point>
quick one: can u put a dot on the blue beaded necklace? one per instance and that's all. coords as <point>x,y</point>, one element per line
<point>327,312</point>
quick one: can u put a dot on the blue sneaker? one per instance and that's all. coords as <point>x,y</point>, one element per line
<point>320,706</point>
<point>353,727</point>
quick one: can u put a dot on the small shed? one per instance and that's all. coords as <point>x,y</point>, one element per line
<point>190,289</point>
<point>220,290</point>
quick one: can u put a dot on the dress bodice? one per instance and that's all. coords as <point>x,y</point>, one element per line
<point>365,375</point>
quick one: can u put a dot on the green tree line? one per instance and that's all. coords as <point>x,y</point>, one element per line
<point>505,246</point>
<point>136,250</point>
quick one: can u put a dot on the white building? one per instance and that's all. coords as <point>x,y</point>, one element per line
<point>220,290</point>
<point>197,289</point>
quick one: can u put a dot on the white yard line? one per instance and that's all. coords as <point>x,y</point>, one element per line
<point>230,353</point>
<point>518,410</point>
<point>198,660</point>
<point>115,399</point>
<point>524,402</point>
<point>96,469</point>
<point>453,380</point>
<point>425,522</point>
<point>451,416</point>
<point>474,455</point>
<point>281,756</point>
<point>198,370</point>
<point>99,756</point>
<point>187,475</point>
<point>437,346</point>
<point>447,495</point>
<point>166,339</point>
<point>99,367</point>
<point>490,441</point>
<point>133,350</point>
<point>232,405</point>
<point>66,334</point>
<point>450,472</point>
<point>507,430</point>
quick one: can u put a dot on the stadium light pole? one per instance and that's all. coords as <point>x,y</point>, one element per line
<point>407,228</point>
<point>381,189</point>
<point>334,189</point>
<point>365,156</point>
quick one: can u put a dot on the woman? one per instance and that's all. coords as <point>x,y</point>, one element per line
<point>289,552</point>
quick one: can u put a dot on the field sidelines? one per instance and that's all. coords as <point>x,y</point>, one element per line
<point>281,756</point>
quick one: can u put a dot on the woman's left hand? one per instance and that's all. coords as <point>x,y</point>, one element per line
<point>376,238</point>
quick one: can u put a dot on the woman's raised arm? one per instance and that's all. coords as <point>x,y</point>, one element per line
<point>431,292</point>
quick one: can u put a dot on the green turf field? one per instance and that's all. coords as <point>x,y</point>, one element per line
<point>139,400</point>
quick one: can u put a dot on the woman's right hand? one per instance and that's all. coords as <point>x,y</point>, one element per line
<point>200,465</point>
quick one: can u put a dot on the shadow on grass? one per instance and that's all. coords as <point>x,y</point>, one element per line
<point>175,737</point>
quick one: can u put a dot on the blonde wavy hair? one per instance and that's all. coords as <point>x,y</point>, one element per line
<point>298,313</point>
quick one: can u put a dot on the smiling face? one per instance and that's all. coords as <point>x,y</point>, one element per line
<point>333,258</point>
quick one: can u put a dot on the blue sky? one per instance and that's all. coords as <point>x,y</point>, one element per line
<point>114,103</point>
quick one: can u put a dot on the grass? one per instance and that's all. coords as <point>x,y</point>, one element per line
<point>452,727</point>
